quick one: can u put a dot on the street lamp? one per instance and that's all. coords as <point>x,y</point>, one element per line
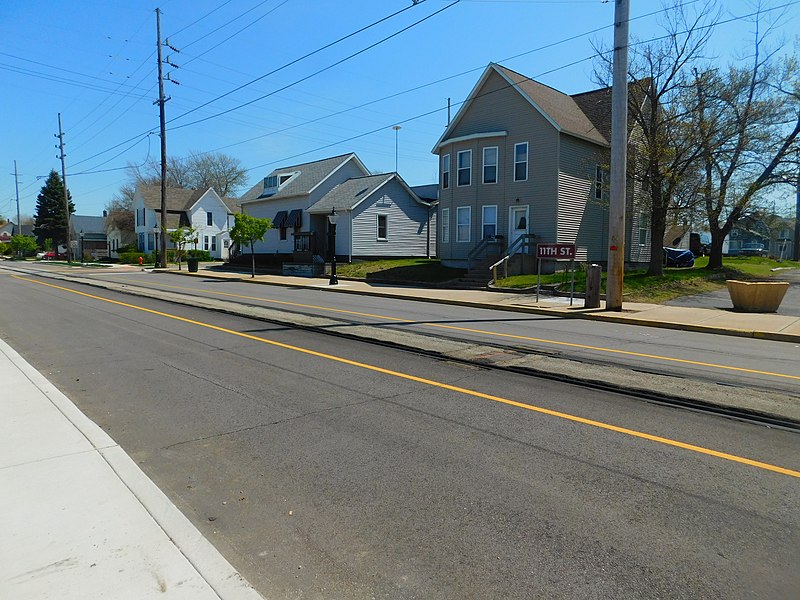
<point>81,236</point>
<point>155,244</point>
<point>332,218</point>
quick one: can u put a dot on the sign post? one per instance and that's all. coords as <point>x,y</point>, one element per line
<point>555,252</point>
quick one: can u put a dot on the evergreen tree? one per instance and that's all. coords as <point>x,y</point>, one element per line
<point>50,220</point>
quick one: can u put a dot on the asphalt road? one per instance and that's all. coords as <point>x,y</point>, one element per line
<point>325,468</point>
<point>702,356</point>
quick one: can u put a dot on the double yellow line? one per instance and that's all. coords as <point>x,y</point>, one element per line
<point>446,386</point>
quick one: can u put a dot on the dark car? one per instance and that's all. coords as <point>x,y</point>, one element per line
<point>678,257</point>
<point>753,250</point>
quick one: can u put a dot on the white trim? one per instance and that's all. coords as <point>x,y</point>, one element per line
<point>598,182</point>
<point>496,165</point>
<point>349,157</point>
<point>511,228</point>
<point>472,136</point>
<point>527,161</point>
<point>443,221</point>
<point>378,238</point>
<point>469,225</point>
<point>483,217</point>
<point>458,168</point>
<point>449,171</point>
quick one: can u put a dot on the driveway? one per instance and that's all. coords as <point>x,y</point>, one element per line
<point>720,299</point>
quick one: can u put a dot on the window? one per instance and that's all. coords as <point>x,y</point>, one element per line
<point>283,232</point>
<point>490,165</point>
<point>521,161</point>
<point>205,242</point>
<point>382,227</point>
<point>141,242</point>
<point>209,218</point>
<point>445,225</point>
<point>270,182</point>
<point>489,221</point>
<point>644,229</point>
<point>598,182</point>
<point>213,243</point>
<point>445,171</point>
<point>464,167</point>
<point>463,223</point>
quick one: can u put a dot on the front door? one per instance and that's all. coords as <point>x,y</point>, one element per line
<point>518,223</point>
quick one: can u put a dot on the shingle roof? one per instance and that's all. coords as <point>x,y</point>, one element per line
<point>349,193</point>
<point>180,199</point>
<point>88,224</point>
<point>560,107</point>
<point>596,104</point>
<point>429,192</point>
<point>310,174</point>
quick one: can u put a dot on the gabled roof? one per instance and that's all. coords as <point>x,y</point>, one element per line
<point>559,109</point>
<point>349,194</point>
<point>309,176</point>
<point>180,199</point>
<point>88,224</point>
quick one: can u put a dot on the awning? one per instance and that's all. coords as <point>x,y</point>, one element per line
<point>295,218</point>
<point>279,222</point>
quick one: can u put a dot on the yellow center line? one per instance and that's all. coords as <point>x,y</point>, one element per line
<point>496,334</point>
<point>446,386</point>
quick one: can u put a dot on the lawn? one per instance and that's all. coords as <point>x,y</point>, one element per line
<point>639,287</point>
<point>399,270</point>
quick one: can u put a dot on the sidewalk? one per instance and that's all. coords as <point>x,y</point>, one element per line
<point>704,320</point>
<point>81,520</point>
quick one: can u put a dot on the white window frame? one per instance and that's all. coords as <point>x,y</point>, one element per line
<point>460,210</point>
<point>213,243</point>
<point>496,164</point>
<point>644,226</point>
<point>205,243</point>
<point>519,162</point>
<point>598,182</point>
<point>378,227</point>
<point>209,219</point>
<point>445,171</point>
<point>459,168</point>
<point>484,222</point>
<point>445,225</point>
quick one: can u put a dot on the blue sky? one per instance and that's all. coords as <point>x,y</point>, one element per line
<point>94,62</point>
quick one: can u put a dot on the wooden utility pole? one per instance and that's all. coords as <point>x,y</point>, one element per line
<point>619,158</point>
<point>16,186</point>
<point>62,156</point>
<point>163,132</point>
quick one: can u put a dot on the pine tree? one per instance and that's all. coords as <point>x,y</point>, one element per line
<point>50,220</point>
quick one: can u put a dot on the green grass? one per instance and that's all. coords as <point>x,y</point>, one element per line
<point>639,287</point>
<point>399,270</point>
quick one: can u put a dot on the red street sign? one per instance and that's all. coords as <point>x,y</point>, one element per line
<point>556,251</point>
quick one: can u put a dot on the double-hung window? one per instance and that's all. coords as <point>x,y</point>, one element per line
<point>490,165</point>
<point>209,219</point>
<point>205,242</point>
<point>644,228</point>
<point>521,161</point>
<point>464,168</point>
<point>598,182</point>
<point>213,243</point>
<point>463,223</point>
<point>383,227</point>
<point>445,171</point>
<point>445,225</point>
<point>489,221</point>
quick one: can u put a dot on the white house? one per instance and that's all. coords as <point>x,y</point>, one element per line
<point>210,216</point>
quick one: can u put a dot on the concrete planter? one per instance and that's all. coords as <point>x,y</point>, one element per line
<point>757,296</point>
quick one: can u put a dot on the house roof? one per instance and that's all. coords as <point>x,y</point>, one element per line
<point>180,199</point>
<point>309,175</point>
<point>88,224</point>
<point>566,113</point>
<point>429,192</point>
<point>349,194</point>
<point>596,104</point>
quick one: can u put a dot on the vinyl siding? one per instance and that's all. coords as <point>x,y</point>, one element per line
<point>267,210</point>
<point>406,224</point>
<point>582,219</point>
<point>500,108</point>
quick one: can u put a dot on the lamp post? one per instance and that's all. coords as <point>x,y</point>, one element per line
<point>396,128</point>
<point>81,236</point>
<point>155,244</point>
<point>332,218</point>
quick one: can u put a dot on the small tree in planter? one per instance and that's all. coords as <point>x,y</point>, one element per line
<point>179,238</point>
<point>249,230</point>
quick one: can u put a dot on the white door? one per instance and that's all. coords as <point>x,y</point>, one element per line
<point>518,223</point>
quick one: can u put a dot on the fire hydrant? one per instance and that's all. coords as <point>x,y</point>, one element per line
<point>141,261</point>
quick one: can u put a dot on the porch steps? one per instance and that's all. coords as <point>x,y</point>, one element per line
<point>478,276</point>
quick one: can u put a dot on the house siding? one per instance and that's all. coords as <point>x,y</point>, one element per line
<point>498,107</point>
<point>406,224</point>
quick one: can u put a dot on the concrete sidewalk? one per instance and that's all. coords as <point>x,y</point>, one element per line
<point>81,520</point>
<point>771,326</point>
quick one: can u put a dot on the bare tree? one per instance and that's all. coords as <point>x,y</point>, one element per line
<point>198,171</point>
<point>747,119</point>
<point>663,153</point>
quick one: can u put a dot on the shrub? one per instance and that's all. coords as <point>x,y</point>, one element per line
<point>5,249</point>
<point>132,258</point>
<point>201,255</point>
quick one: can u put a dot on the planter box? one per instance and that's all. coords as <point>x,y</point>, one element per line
<point>757,296</point>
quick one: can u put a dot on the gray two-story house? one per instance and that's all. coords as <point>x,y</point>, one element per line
<point>523,160</point>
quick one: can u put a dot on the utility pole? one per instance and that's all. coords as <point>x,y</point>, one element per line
<point>797,216</point>
<point>62,156</point>
<point>163,133</point>
<point>16,186</point>
<point>619,158</point>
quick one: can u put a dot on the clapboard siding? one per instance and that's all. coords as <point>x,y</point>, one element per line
<point>406,224</point>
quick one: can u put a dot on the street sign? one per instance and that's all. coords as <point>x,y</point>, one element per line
<point>555,251</point>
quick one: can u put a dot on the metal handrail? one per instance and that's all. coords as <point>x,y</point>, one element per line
<point>482,247</point>
<point>523,242</point>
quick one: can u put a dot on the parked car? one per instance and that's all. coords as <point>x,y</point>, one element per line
<point>53,256</point>
<point>753,250</point>
<point>678,257</point>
